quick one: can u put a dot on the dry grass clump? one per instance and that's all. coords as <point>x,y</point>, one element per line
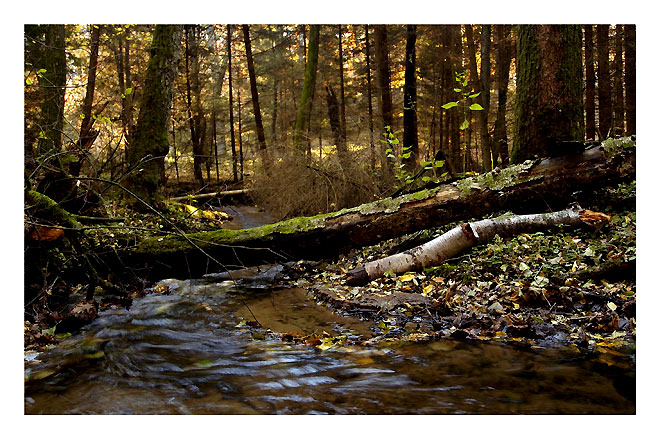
<point>295,187</point>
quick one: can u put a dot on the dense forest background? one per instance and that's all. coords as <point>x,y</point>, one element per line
<point>388,107</point>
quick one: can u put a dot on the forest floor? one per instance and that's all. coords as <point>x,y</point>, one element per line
<point>574,288</point>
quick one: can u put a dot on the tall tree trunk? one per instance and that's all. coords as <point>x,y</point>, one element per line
<point>130,96</point>
<point>52,83</point>
<point>240,130</point>
<point>485,97</point>
<point>176,158</point>
<point>502,66</point>
<point>370,107</point>
<point>86,135</point>
<point>215,148</point>
<point>549,102</point>
<point>630,77</point>
<point>234,159</point>
<point>261,136</point>
<point>618,104</point>
<point>151,144</point>
<point>195,113</point>
<point>410,139</point>
<point>385,101</point>
<point>342,113</point>
<point>451,40</point>
<point>305,107</point>
<point>590,83</point>
<point>604,84</point>
<point>273,132</point>
<point>477,85</point>
<point>333,115</point>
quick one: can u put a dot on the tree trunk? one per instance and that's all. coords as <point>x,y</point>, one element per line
<point>549,102</point>
<point>87,137</point>
<point>195,111</point>
<point>234,166</point>
<point>410,139</point>
<point>150,144</point>
<point>240,132</point>
<point>618,104</point>
<point>342,145</point>
<point>370,107</point>
<point>630,78</point>
<point>333,116</point>
<point>503,65</point>
<point>385,102</point>
<point>552,183</point>
<point>468,235</point>
<point>52,83</point>
<point>485,81</point>
<point>590,83</point>
<point>451,41</point>
<point>481,82</point>
<point>261,136</point>
<point>604,84</point>
<point>215,148</point>
<point>176,158</point>
<point>305,107</point>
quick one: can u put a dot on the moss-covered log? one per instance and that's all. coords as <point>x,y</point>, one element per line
<point>537,187</point>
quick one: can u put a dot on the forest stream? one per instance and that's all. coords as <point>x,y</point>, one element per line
<point>190,352</point>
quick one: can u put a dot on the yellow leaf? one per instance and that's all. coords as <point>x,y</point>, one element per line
<point>427,290</point>
<point>407,277</point>
<point>611,306</point>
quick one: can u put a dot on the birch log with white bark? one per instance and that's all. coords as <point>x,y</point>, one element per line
<point>467,235</point>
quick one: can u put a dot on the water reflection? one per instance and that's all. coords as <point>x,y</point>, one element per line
<point>182,354</point>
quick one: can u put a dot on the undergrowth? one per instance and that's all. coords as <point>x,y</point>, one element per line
<point>294,187</point>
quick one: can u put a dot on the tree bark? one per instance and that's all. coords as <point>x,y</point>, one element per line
<point>502,66</point>
<point>465,236</point>
<point>52,83</point>
<point>305,107</point>
<point>369,104</point>
<point>630,78</point>
<point>618,104</point>
<point>195,113</point>
<point>87,137</point>
<point>549,103</point>
<point>151,144</point>
<point>410,139</point>
<point>590,83</point>
<point>261,136</point>
<point>234,166</point>
<point>550,184</point>
<point>477,86</point>
<point>485,81</point>
<point>342,146</point>
<point>385,102</point>
<point>604,85</point>
<point>333,116</point>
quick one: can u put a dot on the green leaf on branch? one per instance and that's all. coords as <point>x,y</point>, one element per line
<point>476,107</point>
<point>464,125</point>
<point>449,105</point>
<point>474,95</point>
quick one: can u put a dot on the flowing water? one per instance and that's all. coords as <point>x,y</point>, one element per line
<point>189,353</point>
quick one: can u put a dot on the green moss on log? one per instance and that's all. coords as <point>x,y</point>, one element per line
<point>46,207</point>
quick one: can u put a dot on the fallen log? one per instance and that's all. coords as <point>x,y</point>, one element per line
<point>467,235</point>
<point>544,185</point>
<point>211,195</point>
